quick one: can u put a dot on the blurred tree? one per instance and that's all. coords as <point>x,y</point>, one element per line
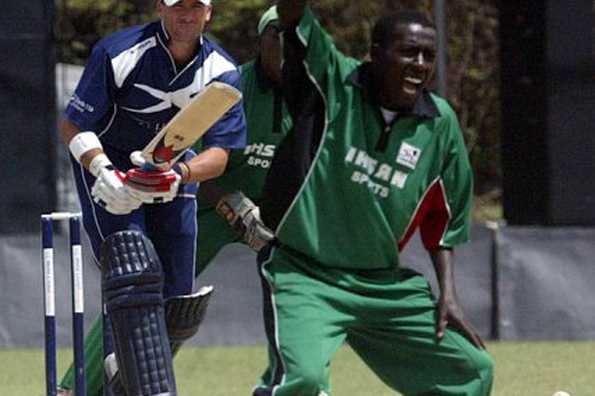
<point>473,88</point>
<point>80,23</point>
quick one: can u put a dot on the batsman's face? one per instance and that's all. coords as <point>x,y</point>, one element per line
<point>270,52</point>
<point>406,65</point>
<point>184,21</point>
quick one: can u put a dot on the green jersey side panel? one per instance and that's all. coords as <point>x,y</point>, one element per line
<point>375,198</point>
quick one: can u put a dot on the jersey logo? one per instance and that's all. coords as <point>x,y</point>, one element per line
<point>378,177</point>
<point>214,66</point>
<point>259,154</point>
<point>408,155</point>
<point>179,98</point>
<point>80,105</point>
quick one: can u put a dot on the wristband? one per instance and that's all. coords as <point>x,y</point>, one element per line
<point>182,169</point>
<point>83,142</point>
<point>97,163</point>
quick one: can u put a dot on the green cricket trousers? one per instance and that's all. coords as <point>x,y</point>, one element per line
<point>388,317</point>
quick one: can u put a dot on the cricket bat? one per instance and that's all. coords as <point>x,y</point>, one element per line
<point>189,124</point>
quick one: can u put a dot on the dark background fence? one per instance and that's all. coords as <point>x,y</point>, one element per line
<point>514,283</point>
<point>27,110</point>
<point>548,112</point>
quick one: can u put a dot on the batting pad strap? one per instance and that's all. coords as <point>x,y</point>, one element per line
<point>132,282</point>
<point>83,142</point>
<point>182,169</point>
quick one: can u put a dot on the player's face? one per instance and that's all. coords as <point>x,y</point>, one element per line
<point>270,52</point>
<point>406,66</point>
<point>184,21</point>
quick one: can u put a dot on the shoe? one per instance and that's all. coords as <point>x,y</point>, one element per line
<point>64,392</point>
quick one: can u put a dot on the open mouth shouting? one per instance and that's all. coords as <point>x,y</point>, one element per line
<point>412,85</point>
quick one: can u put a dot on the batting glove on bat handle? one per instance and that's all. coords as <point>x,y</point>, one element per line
<point>181,168</point>
<point>244,217</point>
<point>151,185</point>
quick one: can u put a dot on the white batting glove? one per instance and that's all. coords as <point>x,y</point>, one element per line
<point>109,190</point>
<point>151,186</point>
<point>244,217</point>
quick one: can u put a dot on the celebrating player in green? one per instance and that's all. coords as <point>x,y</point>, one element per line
<point>268,122</point>
<point>373,157</point>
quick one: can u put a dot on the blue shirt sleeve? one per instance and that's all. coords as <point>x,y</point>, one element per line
<point>93,98</point>
<point>230,131</point>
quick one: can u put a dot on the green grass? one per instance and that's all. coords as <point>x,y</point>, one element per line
<point>522,369</point>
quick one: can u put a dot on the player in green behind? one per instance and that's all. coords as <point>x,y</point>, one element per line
<point>231,196</point>
<point>268,122</point>
<point>375,157</point>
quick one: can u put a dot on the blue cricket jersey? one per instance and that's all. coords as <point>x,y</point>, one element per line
<point>131,87</point>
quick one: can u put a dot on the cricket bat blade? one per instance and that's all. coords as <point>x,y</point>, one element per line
<point>190,124</point>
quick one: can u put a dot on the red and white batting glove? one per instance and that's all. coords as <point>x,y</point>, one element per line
<point>151,186</point>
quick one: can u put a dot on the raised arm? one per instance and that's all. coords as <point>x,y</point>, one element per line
<point>298,91</point>
<point>290,12</point>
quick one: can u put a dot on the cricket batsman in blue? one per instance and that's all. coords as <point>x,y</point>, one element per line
<point>144,234</point>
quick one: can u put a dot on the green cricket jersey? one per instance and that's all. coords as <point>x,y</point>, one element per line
<point>268,121</point>
<point>369,185</point>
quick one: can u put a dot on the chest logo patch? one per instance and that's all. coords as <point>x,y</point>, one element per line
<point>179,98</point>
<point>408,155</point>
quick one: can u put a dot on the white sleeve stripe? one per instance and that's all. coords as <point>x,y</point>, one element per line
<point>124,63</point>
<point>214,66</point>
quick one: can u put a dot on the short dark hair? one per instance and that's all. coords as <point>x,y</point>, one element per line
<point>384,28</point>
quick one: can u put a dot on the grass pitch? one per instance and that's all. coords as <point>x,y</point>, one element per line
<point>522,369</point>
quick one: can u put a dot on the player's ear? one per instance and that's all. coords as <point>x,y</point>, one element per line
<point>159,6</point>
